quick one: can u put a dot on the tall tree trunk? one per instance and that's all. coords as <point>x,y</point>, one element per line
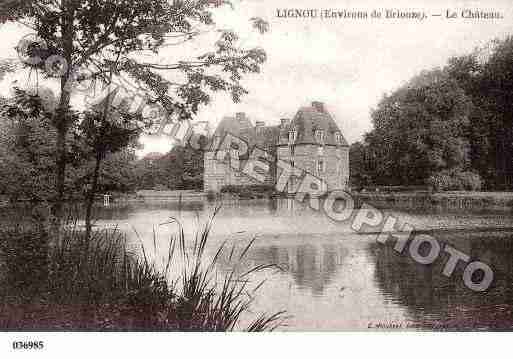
<point>100,154</point>
<point>60,174</point>
<point>62,113</point>
<point>90,198</point>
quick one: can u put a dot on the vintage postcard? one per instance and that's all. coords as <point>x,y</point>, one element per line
<point>214,165</point>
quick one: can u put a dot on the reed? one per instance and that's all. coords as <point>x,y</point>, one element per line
<point>207,303</point>
<point>69,283</point>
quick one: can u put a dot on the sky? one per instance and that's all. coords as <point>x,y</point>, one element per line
<point>347,64</point>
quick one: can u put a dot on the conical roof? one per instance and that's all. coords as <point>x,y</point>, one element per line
<point>307,121</point>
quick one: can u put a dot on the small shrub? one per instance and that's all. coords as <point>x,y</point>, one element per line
<point>470,181</point>
<point>455,180</point>
<point>211,196</point>
<point>440,182</point>
<point>249,191</point>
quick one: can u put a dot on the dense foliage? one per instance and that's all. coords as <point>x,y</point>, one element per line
<point>110,286</point>
<point>100,43</point>
<point>27,155</point>
<point>27,143</point>
<point>179,169</point>
<point>251,191</point>
<point>450,128</point>
<point>58,275</point>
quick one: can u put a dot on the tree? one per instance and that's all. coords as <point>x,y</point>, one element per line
<point>93,37</point>
<point>185,168</point>
<point>486,77</point>
<point>119,172</point>
<point>179,169</point>
<point>104,132</point>
<point>27,142</point>
<point>496,118</point>
<point>450,127</point>
<point>27,145</point>
<point>361,165</point>
<point>420,129</point>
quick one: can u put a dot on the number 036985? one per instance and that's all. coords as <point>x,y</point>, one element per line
<point>28,345</point>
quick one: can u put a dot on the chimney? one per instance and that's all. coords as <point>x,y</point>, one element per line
<point>240,116</point>
<point>284,122</point>
<point>318,106</point>
<point>259,124</point>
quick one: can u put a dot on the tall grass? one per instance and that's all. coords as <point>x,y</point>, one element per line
<point>206,303</point>
<point>104,284</point>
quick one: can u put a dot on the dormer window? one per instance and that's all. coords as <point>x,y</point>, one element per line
<point>321,166</point>
<point>216,141</point>
<point>319,136</point>
<point>292,136</point>
<point>338,137</point>
<point>259,128</point>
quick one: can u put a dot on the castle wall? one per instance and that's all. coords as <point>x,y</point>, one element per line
<point>344,166</point>
<point>306,157</point>
<point>311,126</point>
<point>218,174</point>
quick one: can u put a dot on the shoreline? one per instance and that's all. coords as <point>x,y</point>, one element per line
<point>502,201</point>
<point>439,200</point>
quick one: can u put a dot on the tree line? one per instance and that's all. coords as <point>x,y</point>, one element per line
<point>78,43</point>
<point>450,128</point>
<point>27,157</point>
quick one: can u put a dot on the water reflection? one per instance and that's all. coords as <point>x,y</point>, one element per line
<point>125,211</point>
<point>312,267</point>
<point>433,300</point>
<point>335,279</point>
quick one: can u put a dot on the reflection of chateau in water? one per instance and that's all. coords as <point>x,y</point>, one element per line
<point>335,279</point>
<point>312,266</point>
<point>292,207</point>
<point>432,298</point>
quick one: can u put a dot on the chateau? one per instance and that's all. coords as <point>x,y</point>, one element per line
<point>310,141</point>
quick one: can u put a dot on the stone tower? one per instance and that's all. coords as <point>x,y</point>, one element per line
<point>310,141</point>
<point>219,174</point>
<point>313,142</point>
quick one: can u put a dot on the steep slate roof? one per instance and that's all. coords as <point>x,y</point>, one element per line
<point>265,137</point>
<point>307,121</point>
<point>236,127</point>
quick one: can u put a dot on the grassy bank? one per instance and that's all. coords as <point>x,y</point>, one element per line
<point>250,191</point>
<point>73,284</point>
<point>439,200</point>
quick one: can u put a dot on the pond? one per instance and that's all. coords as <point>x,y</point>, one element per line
<point>333,278</point>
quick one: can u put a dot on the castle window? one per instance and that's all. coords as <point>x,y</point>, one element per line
<point>216,141</point>
<point>319,136</point>
<point>320,166</point>
<point>292,136</point>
